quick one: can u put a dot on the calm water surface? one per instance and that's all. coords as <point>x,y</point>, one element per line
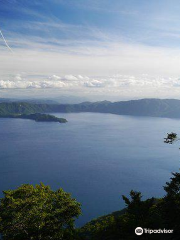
<point>96,157</point>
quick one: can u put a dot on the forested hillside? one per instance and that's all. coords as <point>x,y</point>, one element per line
<point>144,107</point>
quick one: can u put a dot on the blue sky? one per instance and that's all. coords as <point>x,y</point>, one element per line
<point>82,46</point>
<point>145,22</point>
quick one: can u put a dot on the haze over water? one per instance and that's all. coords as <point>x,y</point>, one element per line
<point>96,157</point>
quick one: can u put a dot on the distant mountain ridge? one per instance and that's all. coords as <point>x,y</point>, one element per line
<point>35,101</point>
<point>144,107</point>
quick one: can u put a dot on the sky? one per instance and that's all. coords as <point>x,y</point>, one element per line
<point>90,49</point>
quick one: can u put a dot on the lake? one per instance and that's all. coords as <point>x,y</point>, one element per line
<point>96,157</point>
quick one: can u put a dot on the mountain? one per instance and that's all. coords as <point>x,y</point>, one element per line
<point>35,101</point>
<point>144,107</point>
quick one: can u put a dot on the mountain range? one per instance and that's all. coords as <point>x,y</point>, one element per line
<point>169,108</point>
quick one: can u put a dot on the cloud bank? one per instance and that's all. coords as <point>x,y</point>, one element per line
<point>114,82</point>
<point>111,87</point>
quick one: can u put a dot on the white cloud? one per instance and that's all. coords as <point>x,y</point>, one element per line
<point>93,83</point>
<point>114,82</point>
<point>112,87</point>
<point>25,84</point>
<point>70,77</point>
<point>18,77</point>
<point>55,77</point>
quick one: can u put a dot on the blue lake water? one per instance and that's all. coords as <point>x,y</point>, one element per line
<point>96,157</point>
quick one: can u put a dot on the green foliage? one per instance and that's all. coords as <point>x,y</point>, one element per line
<point>170,206</point>
<point>38,117</point>
<point>144,107</point>
<point>112,227</point>
<point>142,213</point>
<point>171,138</point>
<point>104,228</point>
<point>37,213</point>
<point>151,213</point>
<point>21,108</point>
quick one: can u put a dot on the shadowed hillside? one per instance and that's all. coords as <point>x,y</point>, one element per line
<point>145,107</point>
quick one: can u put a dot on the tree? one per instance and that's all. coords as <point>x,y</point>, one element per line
<point>170,206</point>
<point>37,213</point>
<point>121,226</point>
<point>142,213</point>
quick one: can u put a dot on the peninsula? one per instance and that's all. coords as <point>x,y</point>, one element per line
<point>38,117</point>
